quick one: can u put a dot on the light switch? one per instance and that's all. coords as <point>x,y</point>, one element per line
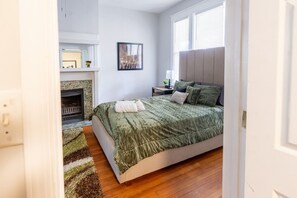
<point>5,119</point>
<point>11,125</point>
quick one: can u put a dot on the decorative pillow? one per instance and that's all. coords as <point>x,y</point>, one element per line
<point>221,97</point>
<point>179,97</point>
<point>220,100</point>
<point>181,86</point>
<point>208,94</point>
<point>140,105</point>
<point>179,89</point>
<point>193,95</point>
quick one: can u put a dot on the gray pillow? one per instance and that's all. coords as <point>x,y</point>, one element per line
<point>193,96</point>
<point>181,86</point>
<point>179,97</point>
<point>208,95</point>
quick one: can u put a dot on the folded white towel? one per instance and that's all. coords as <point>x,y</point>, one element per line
<point>125,106</point>
<point>140,105</point>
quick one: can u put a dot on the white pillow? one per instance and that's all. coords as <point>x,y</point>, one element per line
<point>140,105</point>
<point>179,97</point>
<point>125,106</point>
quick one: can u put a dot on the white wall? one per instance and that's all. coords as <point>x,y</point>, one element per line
<point>124,25</point>
<point>165,38</point>
<point>81,16</point>
<point>12,180</point>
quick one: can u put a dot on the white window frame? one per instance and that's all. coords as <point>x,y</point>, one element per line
<point>190,13</point>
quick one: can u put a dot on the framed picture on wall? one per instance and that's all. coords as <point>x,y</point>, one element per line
<point>130,56</point>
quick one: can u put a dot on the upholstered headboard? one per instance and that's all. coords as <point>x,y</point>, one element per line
<point>205,65</point>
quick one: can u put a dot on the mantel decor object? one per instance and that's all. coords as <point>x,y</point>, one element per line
<point>88,63</point>
<point>130,56</point>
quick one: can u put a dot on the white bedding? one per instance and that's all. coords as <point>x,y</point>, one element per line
<point>125,106</point>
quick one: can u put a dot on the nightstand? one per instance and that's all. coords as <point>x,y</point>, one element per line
<point>161,90</point>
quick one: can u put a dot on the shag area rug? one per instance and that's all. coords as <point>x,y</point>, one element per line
<point>80,177</point>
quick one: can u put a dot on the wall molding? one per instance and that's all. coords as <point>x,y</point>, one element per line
<point>78,38</point>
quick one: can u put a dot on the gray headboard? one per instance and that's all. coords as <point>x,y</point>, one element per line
<point>205,65</point>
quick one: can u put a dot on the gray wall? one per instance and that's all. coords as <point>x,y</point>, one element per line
<point>124,25</point>
<point>165,38</point>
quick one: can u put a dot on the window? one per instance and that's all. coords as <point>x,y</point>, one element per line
<point>209,28</point>
<point>199,27</point>
<point>180,41</point>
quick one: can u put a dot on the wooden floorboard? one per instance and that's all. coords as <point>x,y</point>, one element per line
<point>200,177</point>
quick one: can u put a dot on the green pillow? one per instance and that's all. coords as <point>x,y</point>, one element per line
<point>208,94</point>
<point>181,86</point>
<point>193,95</point>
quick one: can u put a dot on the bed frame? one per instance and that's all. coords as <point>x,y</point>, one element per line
<point>205,66</point>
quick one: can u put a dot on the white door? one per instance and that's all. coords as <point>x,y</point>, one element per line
<point>271,153</point>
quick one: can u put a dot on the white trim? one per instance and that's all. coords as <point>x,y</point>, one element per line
<point>233,102</point>
<point>41,98</point>
<point>76,76</point>
<point>78,38</point>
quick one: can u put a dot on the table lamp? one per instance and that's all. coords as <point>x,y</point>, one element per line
<point>169,76</point>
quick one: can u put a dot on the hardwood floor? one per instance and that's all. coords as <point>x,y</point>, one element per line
<point>199,177</point>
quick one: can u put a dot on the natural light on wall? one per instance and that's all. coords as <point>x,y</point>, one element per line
<point>198,29</point>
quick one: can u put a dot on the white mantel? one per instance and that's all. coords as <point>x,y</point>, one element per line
<point>74,70</point>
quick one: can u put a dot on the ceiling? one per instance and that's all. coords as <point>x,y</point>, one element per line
<point>155,6</point>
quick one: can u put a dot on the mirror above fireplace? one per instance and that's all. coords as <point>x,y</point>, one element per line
<point>78,56</point>
<point>71,58</point>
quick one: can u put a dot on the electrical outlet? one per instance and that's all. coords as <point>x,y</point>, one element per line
<point>11,120</point>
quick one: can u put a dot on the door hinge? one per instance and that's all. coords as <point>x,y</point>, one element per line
<point>244,119</point>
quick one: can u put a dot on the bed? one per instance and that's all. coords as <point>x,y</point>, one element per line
<point>132,157</point>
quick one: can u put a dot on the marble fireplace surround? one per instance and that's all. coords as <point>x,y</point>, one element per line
<point>86,85</point>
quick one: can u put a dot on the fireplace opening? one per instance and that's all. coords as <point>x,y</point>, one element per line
<point>72,102</point>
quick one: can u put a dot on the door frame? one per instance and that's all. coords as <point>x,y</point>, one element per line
<point>39,52</point>
<point>40,79</point>
<point>234,137</point>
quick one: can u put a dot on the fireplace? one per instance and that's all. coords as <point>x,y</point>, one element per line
<point>72,102</point>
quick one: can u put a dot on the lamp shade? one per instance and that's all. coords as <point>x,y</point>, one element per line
<point>169,74</point>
